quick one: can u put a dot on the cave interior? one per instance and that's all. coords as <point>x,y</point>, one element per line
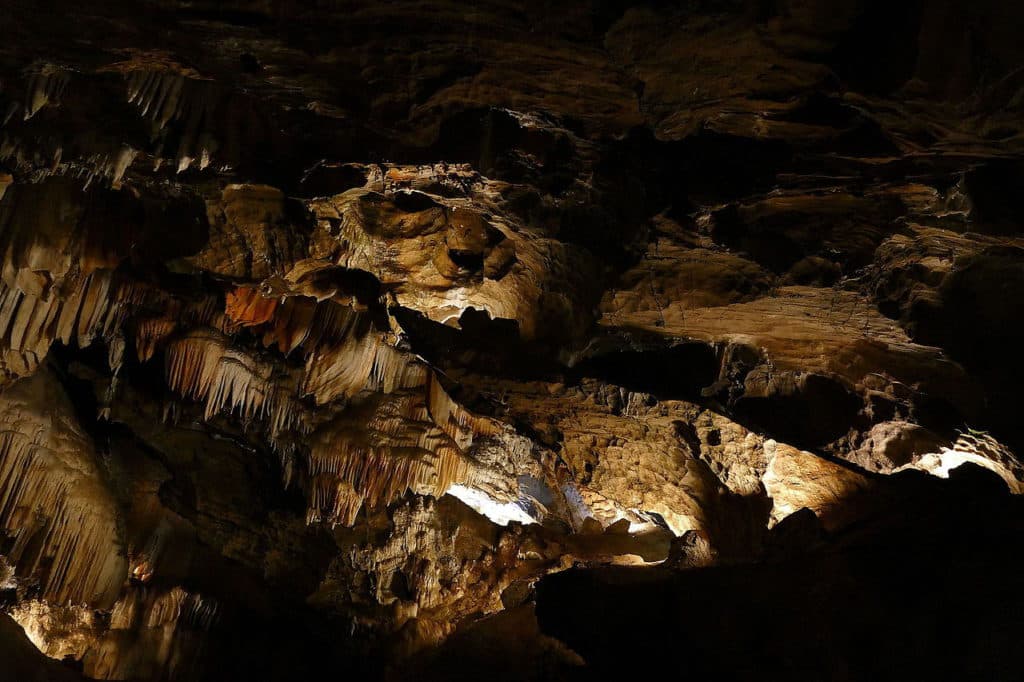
<point>433,340</point>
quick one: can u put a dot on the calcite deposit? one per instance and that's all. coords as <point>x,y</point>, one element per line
<point>526,341</point>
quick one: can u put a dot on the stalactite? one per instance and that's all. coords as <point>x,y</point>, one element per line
<point>52,235</point>
<point>302,322</point>
<point>350,476</point>
<point>110,166</point>
<point>192,362</point>
<point>247,307</point>
<point>165,96</point>
<point>29,324</point>
<point>414,439</point>
<point>357,364</point>
<point>345,357</point>
<point>154,634</point>
<point>377,458</point>
<point>291,325</point>
<point>460,424</point>
<point>115,359</point>
<point>149,333</point>
<point>243,386</point>
<point>17,364</point>
<point>203,367</point>
<point>53,503</point>
<point>206,312</point>
<point>44,87</point>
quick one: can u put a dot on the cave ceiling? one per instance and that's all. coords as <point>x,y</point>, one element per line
<point>497,340</point>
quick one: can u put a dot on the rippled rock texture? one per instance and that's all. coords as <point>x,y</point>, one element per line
<point>546,341</point>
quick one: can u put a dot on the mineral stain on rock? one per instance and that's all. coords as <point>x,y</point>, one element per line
<point>526,341</point>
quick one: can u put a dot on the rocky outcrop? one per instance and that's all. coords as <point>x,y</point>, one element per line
<point>391,341</point>
<point>891,574</point>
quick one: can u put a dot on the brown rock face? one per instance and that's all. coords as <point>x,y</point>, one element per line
<point>515,341</point>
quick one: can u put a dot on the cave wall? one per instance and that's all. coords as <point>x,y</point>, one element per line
<point>417,340</point>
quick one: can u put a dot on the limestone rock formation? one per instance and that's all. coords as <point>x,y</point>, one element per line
<point>511,340</point>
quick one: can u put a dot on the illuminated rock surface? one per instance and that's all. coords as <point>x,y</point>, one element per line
<point>510,341</point>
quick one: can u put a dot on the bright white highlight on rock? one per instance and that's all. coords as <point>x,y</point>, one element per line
<point>941,463</point>
<point>501,513</point>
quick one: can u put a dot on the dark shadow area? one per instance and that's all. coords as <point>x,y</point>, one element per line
<point>887,599</point>
<point>674,373</point>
